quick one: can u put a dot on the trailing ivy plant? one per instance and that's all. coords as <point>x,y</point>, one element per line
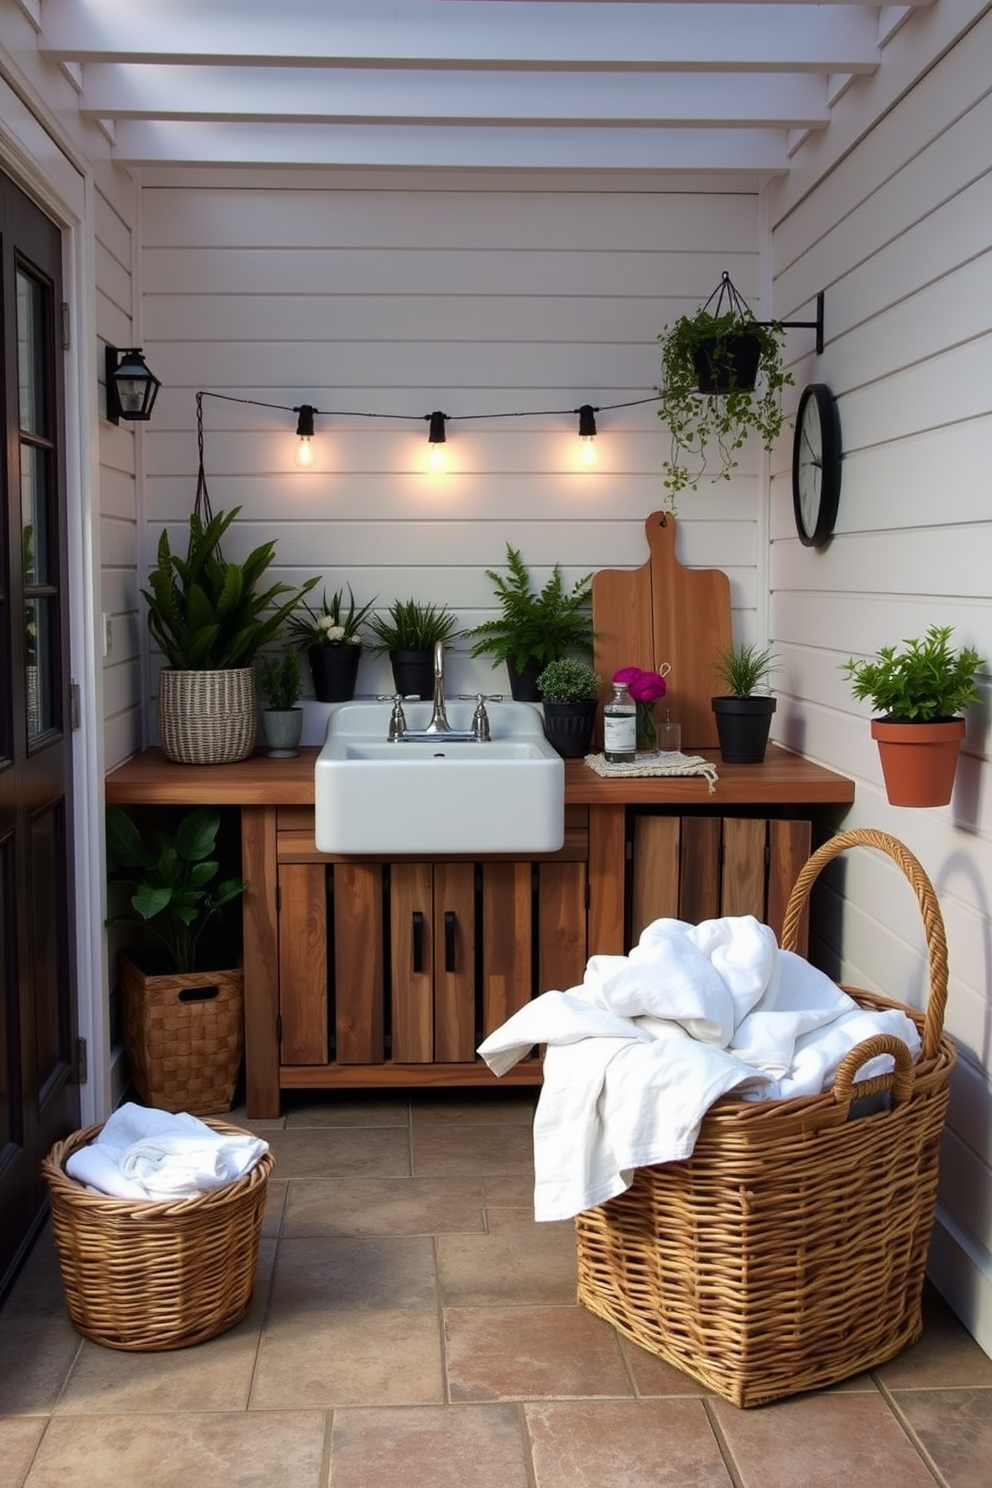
<point>708,429</point>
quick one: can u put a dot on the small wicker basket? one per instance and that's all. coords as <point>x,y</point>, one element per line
<point>184,1037</point>
<point>154,1276</point>
<point>789,1251</point>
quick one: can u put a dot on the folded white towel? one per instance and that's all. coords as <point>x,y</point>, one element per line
<point>637,1054</point>
<point>143,1153</point>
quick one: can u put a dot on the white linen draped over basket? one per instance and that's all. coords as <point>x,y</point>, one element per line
<point>637,1054</point>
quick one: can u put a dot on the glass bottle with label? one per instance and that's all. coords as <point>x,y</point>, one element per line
<point>620,727</point>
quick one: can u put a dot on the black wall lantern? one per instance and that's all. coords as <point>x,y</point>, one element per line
<point>131,387</point>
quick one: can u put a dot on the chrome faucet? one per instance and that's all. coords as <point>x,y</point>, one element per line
<point>439,727</point>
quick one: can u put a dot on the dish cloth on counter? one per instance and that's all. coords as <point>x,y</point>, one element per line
<point>637,1054</point>
<point>660,762</point>
<point>141,1153</point>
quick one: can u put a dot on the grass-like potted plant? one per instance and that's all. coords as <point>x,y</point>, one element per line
<point>280,681</point>
<point>409,630</point>
<point>919,689</point>
<point>534,627</point>
<point>331,636</point>
<point>721,380</point>
<point>210,618</point>
<point>183,995</point>
<point>744,712</point>
<point>570,690</point>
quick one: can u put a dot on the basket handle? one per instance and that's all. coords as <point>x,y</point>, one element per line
<point>933,922</point>
<point>900,1081</point>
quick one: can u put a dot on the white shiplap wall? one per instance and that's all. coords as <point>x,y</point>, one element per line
<point>895,223</point>
<point>399,295</point>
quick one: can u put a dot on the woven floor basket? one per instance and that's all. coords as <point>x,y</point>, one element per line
<point>789,1251</point>
<point>207,718</point>
<point>151,1276</point>
<point>184,1037</point>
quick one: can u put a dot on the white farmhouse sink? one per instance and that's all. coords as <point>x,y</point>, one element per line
<point>438,796</point>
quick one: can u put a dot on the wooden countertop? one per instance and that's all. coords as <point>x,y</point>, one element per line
<point>783,779</point>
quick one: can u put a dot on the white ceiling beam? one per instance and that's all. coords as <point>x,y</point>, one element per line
<point>343,95</point>
<point>142,143</point>
<point>484,33</point>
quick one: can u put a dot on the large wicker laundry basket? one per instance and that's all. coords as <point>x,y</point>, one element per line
<point>789,1251</point>
<point>155,1276</point>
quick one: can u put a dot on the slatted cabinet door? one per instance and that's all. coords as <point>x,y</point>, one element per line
<point>303,963</point>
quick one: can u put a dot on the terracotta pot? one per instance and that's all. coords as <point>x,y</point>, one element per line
<point>918,760</point>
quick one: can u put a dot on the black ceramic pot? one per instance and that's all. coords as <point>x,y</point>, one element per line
<point>335,671</point>
<point>523,681</point>
<point>569,727</point>
<point>742,726</point>
<point>734,368</point>
<point>413,673</point>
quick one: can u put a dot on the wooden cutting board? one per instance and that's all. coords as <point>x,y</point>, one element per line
<point>662,612</point>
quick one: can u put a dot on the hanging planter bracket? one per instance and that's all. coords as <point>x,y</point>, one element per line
<point>729,300</point>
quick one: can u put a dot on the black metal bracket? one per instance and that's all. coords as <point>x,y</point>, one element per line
<point>726,291</point>
<point>809,325</point>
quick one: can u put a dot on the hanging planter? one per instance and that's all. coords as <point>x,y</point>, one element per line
<point>722,380</point>
<point>919,690</point>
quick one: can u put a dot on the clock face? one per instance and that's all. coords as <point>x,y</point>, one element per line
<point>816,458</point>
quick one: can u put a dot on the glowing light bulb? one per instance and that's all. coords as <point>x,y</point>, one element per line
<point>587,433</point>
<point>305,454</point>
<point>436,440</point>
<point>588,451</point>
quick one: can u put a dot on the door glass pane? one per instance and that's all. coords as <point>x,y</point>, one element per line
<point>34,515</point>
<point>39,662</point>
<point>30,360</point>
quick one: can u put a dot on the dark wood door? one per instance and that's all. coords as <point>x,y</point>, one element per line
<point>39,1096</point>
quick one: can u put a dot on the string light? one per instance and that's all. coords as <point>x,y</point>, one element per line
<point>587,432</point>
<point>436,440</point>
<point>304,456</point>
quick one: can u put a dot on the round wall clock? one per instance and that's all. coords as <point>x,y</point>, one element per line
<point>816,462</point>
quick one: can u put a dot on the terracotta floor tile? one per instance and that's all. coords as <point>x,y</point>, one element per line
<point>624,1444</point>
<point>946,1356</point>
<point>36,1354</point>
<point>340,1152</point>
<point>19,1438</point>
<point>336,1109</point>
<point>445,1148</point>
<point>517,1265</point>
<point>275,1202</point>
<point>349,1358</point>
<point>531,1353</point>
<point>212,1451</point>
<point>384,1206</point>
<point>465,1107</point>
<point>513,1216</point>
<point>472,1446</point>
<point>813,1440</point>
<point>342,1273</point>
<point>513,1189</point>
<point>652,1376</point>
<point>955,1428</point>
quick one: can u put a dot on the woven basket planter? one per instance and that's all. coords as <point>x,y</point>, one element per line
<point>789,1251</point>
<point>155,1276</point>
<point>184,1037</point>
<point>207,718</point>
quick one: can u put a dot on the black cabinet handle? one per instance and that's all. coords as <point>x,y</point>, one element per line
<point>418,940</point>
<point>449,940</point>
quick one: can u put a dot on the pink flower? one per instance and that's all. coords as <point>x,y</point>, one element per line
<point>644,687</point>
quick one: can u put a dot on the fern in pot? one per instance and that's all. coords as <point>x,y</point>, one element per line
<point>534,627</point>
<point>570,692</point>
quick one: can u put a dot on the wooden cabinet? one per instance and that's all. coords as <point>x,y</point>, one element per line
<point>397,970</point>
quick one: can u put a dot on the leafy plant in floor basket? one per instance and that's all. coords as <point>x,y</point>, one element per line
<point>173,878</point>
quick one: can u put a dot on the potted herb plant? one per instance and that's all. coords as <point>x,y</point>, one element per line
<point>534,627</point>
<point>744,712</point>
<point>210,618</point>
<point>332,640</point>
<point>183,996</point>
<point>570,690</point>
<point>409,631</point>
<point>280,681</point>
<point>919,689</point>
<point>721,380</point>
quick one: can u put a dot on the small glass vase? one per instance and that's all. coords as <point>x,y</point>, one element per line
<point>647,726</point>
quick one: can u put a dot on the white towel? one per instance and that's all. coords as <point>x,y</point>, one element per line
<point>637,1054</point>
<point>142,1153</point>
